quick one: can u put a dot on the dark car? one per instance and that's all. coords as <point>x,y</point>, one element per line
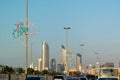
<point>91,77</point>
<point>108,78</point>
<point>73,78</point>
<point>59,77</point>
<point>83,78</point>
<point>35,78</point>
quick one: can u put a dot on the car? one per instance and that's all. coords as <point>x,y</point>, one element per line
<point>73,78</point>
<point>59,77</point>
<point>77,78</point>
<point>82,78</point>
<point>108,78</point>
<point>91,77</point>
<point>35,78</point>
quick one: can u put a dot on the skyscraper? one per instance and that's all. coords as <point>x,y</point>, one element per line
<point>39,64</point>
<point>53,64</point>
<point>79,62</point>
<point>63,56</point>
<point>60,68</point>
<point>45,56</point>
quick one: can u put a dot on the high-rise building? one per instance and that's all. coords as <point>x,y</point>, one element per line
<point>60,68</point>
<point>53,64</point>
<point>45,56</point>
<point>39,64</point>
<point>31,65</point>
<point>79,62</point>
<point>63,56</point>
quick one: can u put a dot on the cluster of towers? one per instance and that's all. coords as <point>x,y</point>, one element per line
<point>70,54</point>
<point>43,62</point>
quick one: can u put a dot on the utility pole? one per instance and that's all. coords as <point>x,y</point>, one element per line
<point>26,56</point>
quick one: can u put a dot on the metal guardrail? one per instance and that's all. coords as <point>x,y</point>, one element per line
<point>20,77</point>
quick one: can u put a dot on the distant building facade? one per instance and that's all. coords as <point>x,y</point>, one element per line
<point>45,56</point>
<point>63,57</point>
<point>32,65</point>
<point>39,64</point>
<point>79,62</point>
<point>108,64</point>
<point>60,68</point>
<point>53,64</point>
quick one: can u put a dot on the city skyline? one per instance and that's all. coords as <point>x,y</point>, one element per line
<point>94,23</point>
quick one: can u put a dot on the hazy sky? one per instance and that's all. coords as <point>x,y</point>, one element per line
<point>94,23</point>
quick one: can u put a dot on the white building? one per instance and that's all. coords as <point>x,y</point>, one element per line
<point>39,64</point>
<point>79,62</point>
<point>45,55</point>
<point>63,55</point>
<point>32,65</point>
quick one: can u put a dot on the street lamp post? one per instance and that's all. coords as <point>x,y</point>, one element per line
<point>26,55</point>
<point>81,45</point>
<point>66,67</point>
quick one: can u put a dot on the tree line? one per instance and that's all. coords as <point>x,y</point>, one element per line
<point>4,69</point>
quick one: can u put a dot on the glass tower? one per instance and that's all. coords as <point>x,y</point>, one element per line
<point>53,64</point>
